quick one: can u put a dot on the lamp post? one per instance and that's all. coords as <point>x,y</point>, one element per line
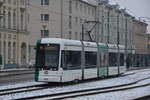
<point>61,5</point>
<point>1,59</point>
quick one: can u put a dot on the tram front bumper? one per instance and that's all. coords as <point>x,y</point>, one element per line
<point>49,78</point>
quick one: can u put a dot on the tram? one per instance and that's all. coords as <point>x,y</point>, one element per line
<point>62,60</point>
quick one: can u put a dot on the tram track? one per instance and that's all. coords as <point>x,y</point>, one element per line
<point>22,89</point>
<point>31,88</point>
<point>143,98</point>
<point>43,86</point>
<point>85,92</point>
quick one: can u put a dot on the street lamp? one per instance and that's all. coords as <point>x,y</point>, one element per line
<point>1,16</point>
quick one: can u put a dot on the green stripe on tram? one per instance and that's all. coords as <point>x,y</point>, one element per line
<point>38,42</point>
<point>103,71</point>
<point>103,48</point>
<point>36,75</point>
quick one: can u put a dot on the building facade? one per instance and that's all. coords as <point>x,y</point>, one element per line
<point>140,37</point>
<point>64,19</point>
<point>148,45</point>
<point>14,38</point>
<point>59,19</point>
<point>116,25</point>
<point>141,43</point>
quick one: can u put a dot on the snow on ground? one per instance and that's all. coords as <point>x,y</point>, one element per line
<point>121,95</point>
<point>15,69</point>
<point>99,83</point>
<point>23,84</point>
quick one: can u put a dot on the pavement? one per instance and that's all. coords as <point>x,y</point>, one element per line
<point>12,76</point>
<point>12,72</point>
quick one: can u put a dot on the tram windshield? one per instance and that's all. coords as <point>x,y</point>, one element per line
<point>47,56</point>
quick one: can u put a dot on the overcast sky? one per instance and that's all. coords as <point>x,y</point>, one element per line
<point>137,8</point>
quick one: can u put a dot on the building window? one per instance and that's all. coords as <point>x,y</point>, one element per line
<point>1,18</point>
<point>9,53</point>
<point>21,21</point>
<point>93,13</point>
<point>15,2</point>
<point>81,7</point>
<point>85,9</point>
<point>76,35</point>
<point>9,20</point>
<point>44,17</point>
<point>81,21</point>
<point>70,6</point>
<point>70,22</point>
<point>89,11</point>
<point>14,52</point>
<point>4,18</point>
<point>22,2</point>
<point>14,20</point>
<point>76,5</point>
<point>70,35</point>
<point>44,2</point>
<point>44,33</point>
<point>9,1</point>
<point>4,50</point>
<point>76,20</point>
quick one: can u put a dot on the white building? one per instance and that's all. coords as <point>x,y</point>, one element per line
<point>14,41</point>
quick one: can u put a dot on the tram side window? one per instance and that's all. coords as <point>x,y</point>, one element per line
<point>121,59</point>
<point>90,59</point>
<point>112,59</point>
<point>71,60</point>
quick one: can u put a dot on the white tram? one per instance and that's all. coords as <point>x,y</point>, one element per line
<point>62,60</point>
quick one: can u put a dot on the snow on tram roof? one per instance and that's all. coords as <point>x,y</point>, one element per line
<point>60,41</point>
<point>67,42</point>
<point>91,2</point>
<point>75,42</point>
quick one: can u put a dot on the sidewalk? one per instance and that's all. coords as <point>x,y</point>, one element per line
<point>16,69</point>
<point>14,72</point>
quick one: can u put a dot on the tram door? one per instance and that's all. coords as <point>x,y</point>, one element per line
<point>103,60</point>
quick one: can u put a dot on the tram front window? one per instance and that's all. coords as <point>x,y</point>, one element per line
<point>47,56</point>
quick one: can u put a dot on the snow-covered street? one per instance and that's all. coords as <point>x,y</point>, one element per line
<point>125,95</point>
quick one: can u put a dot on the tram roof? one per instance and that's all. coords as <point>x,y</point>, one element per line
<point>75,42</point>
<point>68,42</point>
